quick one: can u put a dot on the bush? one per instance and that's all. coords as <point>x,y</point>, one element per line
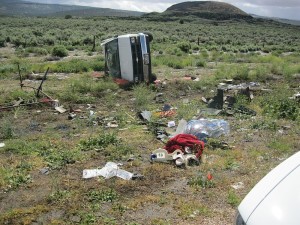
<point>60,51</point>
<point>68,17</point>
<point>184,46</point>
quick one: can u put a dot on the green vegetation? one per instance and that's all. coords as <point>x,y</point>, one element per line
<point>190,57</point>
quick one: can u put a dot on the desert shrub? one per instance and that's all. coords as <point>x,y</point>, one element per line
<point>184,46</point>
<point>143,97</point>
<point>60,51</point>
<point>68,16</point>
<point>2,42</point>
<point>260,73</point>
<point>279,105</point>
<point>6,69</point>
<point>201,63</point>
<point>242,73</point>
<point>37,50</point>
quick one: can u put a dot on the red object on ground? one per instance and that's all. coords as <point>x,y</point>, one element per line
<point>96,74</point>
<point>121,82</point>
<point>181,141</point>
<point>209,176</point>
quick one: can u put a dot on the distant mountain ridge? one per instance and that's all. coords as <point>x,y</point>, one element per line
<point>281,20</point>
<point>27,8</point>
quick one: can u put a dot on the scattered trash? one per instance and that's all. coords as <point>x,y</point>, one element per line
<point>169,113</point>
<point>227,103</point>
<point>146,115</point>
<point>159,98</point>
<point>215,144</point>
<point>110,170</point>
<point>171,124</point>
<point>178,157</point>
<point>186,143</point>
<point>203,128</point>
<point>112,124</point>
<point>17,103</point>
<point>71,116</point>
<point>180,128</point>
<point>296,96</point>
<point>217,101</point>
<point>210,112</point>
<point>238,86</point>
<point>167,107</point>
<point>2,145</point>
<point>45,171</point>
<point>238,185</point>
<point>60,109</point>
<point>245,110</point>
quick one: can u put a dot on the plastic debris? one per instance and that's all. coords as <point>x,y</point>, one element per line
<point>171,124</point>
<point>71,116</point>
<point>2,145</point>
<point>181,126</point>
<point>112,124</point>
<point>203,128</point>
<point>60,109</point>
<point>110,170</point>
<point>178,157</point>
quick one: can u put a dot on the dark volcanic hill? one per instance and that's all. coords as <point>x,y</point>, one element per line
<point>27,8</point>
<point>204,9</point>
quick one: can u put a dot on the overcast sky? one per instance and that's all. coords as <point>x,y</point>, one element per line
<point>289,9</point>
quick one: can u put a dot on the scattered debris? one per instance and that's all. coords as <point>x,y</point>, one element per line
<point>217,101</point>
<point>209,112</point>
<point>45,170</point>
<point>110,170</point>
<point>71,116</point>
<point>186,143</point>
<point>171,124</point>
<point>159,98</point>
<point>180,159</point>
<point>296,96</point>
<point>238,185</point>
<point>60,109</point>
<point>146,115</point>
<point>228,102</point>
<point>112,124</point>
<point>203,128</point>
<point>238,86</point>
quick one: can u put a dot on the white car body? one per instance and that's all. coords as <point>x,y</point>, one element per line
<point>275,199</point>
<point>128,57</point>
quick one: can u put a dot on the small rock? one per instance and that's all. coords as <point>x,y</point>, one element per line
<point>75,219</point>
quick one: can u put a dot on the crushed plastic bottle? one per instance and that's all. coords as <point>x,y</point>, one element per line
<point>203,128</point>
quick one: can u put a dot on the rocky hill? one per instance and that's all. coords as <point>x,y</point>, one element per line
<point>204,9</point>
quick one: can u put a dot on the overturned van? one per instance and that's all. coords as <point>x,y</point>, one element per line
<point>128,57</point>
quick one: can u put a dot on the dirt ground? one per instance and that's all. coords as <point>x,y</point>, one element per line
<point>163,196</point>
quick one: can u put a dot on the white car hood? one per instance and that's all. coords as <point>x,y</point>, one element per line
<point>275,197</point>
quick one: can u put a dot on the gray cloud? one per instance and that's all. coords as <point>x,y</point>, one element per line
<point>273,8</point>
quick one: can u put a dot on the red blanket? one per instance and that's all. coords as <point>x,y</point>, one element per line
<point>181,141</point>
